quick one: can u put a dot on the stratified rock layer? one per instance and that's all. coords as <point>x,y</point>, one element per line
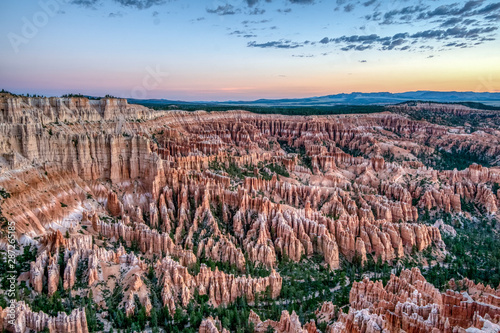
<point>109,187</point>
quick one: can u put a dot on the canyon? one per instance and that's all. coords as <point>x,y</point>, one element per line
<point>133,211</point>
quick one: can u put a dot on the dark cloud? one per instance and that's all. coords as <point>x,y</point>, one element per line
<point>117,14</point>
<point>256,11</point>
<point>251,3</point>
<point>255,22</point>
<point>86,3</point>
<point>349,8</point>
<point>137,4</point>
<point>243,33</point>
<point>489,8</point>
<point>404,41</point>
<point>399,15</point>
<point>286,10</point>
<point>390,45</point>
<point>280,44</point>
<point>451,21</point>
<point>369,3</point>
<point>495,17</point>
<point>448,15</point>
<point>356,47</point>
<point>455,32</point>
<point>238,32</point>
<point>365,39</point>
<point>363,61</point>
<point>470,5</point>
<point>140,4</point>
<point>306,2</point>
<point>227,9</point>
<point>454,10</point>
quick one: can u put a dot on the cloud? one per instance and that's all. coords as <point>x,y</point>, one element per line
<point>451,21</point>
<point>455,32</point>
<point>447,15</point>
<point>390,45</point>
<point>349,8</point>
<point>238,32</point>
<point>469,8</point>
<point>304,2</point>
<point>280,44</point>
<point>356,47</point>
<point>227,9</point>
<point>243,33</point>
<point>246,22</point>
<point>117,14</point>
<point>257,11</point>
<point>494,17</point>
<point>402,15</point>
<point>489,8</point>
<point>463,37</point>
<point>251,3</point>
<point>137,4</point>
<point>86,3</point>
<point>325,40</point>
<point>369,3</point>
<point>140,4</point>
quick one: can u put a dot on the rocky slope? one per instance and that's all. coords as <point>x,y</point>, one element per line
<point>113,194</point>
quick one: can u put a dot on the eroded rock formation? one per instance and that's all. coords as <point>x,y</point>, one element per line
<point>410,304</point>
<point>119,191</point>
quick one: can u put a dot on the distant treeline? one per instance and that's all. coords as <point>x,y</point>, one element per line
<point>473,105</point>
<point>3,91</point>
<point>285,110</point>
<point>86,96</point>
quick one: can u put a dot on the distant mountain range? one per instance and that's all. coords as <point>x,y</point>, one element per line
<point>355,98</point>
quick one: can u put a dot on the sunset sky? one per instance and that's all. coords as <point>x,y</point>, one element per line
<point>247,49</point>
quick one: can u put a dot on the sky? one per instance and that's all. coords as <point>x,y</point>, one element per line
<point>247,49</point>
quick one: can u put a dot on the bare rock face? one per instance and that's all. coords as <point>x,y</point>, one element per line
<point>134,188</point>
<point>113,205</point>
<point>37,269</point>
<point>287,324</point>
<point>210,325</point>
<point>53,274</point>
<point>130,305</point>
<point>26,320</point>
<point>179,286</point>
<point>445,228</point>
<point>70,270</point>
